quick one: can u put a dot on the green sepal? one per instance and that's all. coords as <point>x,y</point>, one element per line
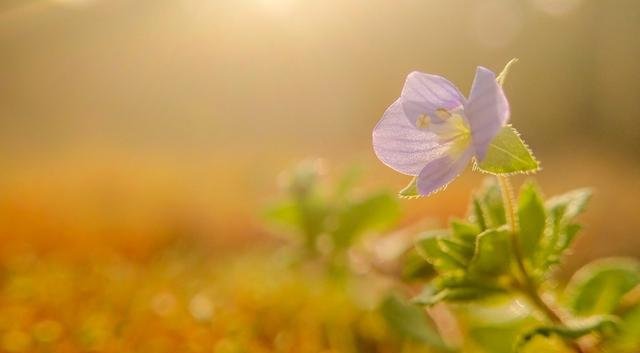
<point>411,190</point>
<point>505,71</point>
<point>508,154</point>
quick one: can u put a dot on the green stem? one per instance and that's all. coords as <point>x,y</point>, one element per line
<point>525,281</point>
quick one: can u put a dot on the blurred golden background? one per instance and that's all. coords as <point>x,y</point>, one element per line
<point>127,126</point>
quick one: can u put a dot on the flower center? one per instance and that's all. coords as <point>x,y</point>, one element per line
<point>451,127</point>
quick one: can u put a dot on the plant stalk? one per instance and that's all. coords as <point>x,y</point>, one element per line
<point>526,282</point>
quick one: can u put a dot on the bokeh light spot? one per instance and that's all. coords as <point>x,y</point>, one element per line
<point>201,307</point>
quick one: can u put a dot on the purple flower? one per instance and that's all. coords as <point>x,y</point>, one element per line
<point>432,131</point>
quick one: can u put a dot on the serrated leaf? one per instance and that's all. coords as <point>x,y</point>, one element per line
<point>464,230</point>
<point>457,248</point>
<point>567,206</point>
<point>477,216</point>
<point>605,324</point>
<point>456,287</point>
<point>508,154</point>
<point>429,247</point>
<point>532,217</point>
<point>488,205</point>
<point>414,267</point>
<point>598,287</point>
<point>410,321</point>
<point>560,228</point>
<point>492,254</point>
<point>411,190</point>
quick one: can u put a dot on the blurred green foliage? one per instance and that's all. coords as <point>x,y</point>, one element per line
<point>329,220</point>
<point>599,287</point>
<point>472,261</point>
<point>410,321</point>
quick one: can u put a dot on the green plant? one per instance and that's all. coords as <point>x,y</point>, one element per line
<point>507,248</point>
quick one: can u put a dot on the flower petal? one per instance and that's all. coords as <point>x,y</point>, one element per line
<point>401,145</point>
<point>487,110</point>
<point>424,94</point>
<point>438,173</point>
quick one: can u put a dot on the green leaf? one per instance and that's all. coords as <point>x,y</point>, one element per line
<point>429,247</point>
<point>566,207</point>
<point>488,206</point>
<point>465,230</point>
<point>508,154</point>
<point>532,216</point>
<point>410,321</point>
<point>414,267</point>
<point>598,287</point>
<point>373,212</point>
<point>459,246</point>
<point>492,339</point>
<point>628,340</point>
<point>477,215</point>
<point>492,254</point>
<point>604,324</point>
<point>410,191</point>
<point>560,228</point>
<point>459,294</point>
<point>457,287</point>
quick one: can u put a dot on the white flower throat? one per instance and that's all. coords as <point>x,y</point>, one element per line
<point>451,127</point>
